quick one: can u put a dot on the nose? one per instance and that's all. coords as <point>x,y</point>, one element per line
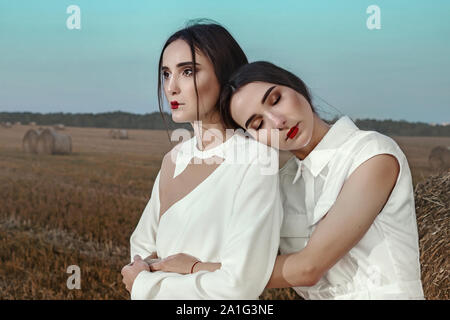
<point>172,86</point>
<point>278,120</point>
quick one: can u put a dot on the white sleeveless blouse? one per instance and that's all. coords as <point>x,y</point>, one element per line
<point>385,263</point>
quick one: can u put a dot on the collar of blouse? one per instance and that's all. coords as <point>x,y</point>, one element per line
<point>189,150</point>
<point>321,155</point>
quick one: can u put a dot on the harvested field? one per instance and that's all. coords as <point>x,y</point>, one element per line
<point>80,209</point>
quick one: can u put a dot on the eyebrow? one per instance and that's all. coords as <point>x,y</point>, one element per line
<point>262,102</point>
<point>267,94</point>
<point>182,64</point>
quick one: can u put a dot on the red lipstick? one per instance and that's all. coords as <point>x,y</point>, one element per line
<point>174,104</point>
<point>292,132</point>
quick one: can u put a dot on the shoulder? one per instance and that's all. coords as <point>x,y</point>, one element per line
<point>253,147</point>
<point>381,167</point>
<point>170,157</point>
<point>251,152</point>
<point>251,160</point>
<point>368,143</point>
<point>362,139</point>
<point>380,154</point>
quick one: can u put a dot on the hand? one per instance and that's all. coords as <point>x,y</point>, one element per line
<point>130,271</point>
<point>179,263</point>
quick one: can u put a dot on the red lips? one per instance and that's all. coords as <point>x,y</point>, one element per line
<point>292,132</point>
<point>174,104</point>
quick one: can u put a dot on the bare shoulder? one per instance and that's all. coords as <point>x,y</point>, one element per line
<point>381,168</point>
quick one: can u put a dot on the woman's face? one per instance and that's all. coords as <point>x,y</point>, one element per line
<point>272,114</point>
<point>177,70</point>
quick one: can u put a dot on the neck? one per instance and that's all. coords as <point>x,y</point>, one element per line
<point>209,134</point>
<point>320,128</point>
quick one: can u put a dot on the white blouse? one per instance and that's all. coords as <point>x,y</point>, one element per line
<point>384,264</point>
<point>233,217</point>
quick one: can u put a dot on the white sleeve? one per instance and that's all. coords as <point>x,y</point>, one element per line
<point>143,239</point>
<point>247,256</point>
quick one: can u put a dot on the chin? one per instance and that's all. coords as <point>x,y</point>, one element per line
<point>179,117</point>
<point>302,143</point>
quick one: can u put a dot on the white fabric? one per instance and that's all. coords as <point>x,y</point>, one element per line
<point>189,150</point>
<point>233,217</point>
<point>385,263</point>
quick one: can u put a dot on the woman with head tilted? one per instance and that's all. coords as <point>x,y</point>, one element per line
<point>204,203</point>
<point>349,229</point>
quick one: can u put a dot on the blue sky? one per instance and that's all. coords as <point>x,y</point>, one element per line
<point>401,71</point>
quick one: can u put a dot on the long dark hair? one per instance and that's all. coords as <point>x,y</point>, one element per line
<point>261,71</point>
<point>216,43</point>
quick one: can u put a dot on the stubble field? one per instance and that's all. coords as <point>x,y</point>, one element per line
<point>80,209</point>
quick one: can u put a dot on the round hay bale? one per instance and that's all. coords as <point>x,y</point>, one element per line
<point>59,126</point>
<point>32,123</point>
<point>29,141</point>
<point>52,142</point>
<point>432,199</point>
<point>114,133</point>
<point>439,158</point>
<point>123,134</point>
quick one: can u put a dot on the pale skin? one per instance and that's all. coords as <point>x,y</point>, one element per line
<point>361,198</point>
<point>177,70</point>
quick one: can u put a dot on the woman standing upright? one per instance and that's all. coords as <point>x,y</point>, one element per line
<point>206,201</point>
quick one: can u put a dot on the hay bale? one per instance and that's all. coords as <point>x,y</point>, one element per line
<point>118,134</point>
<point>32,123</point>
<point>432,199</point>
<point>29,141</point>
<point>114,133</point>
<point>52,142</point>
<point>439,158</point>
<point>59,126</point>
<point>123,134</point>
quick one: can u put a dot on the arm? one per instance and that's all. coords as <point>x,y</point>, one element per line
<point>362,197</point>
<point>143,239</point>
<point>183,263</point>
<point>247,256</point>
<point>207,266</point>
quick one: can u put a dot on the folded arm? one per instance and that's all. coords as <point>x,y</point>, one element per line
<point>247,256</point>
<point>361,198</point>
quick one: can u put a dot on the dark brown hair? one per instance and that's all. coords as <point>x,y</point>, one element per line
<point>216,43</point>
<point>260,71</point>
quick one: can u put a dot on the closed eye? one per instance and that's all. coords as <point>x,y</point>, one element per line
<point>277,100</point>
<point>260,125</point>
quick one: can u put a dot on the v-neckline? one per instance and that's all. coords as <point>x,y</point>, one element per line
<point>189,194</point>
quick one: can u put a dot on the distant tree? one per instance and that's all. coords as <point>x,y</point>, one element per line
<point>154,121</point>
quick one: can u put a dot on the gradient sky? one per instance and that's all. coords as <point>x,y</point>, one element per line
<point>401,71</point>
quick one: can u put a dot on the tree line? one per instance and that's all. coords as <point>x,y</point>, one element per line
<point>154,121</point>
